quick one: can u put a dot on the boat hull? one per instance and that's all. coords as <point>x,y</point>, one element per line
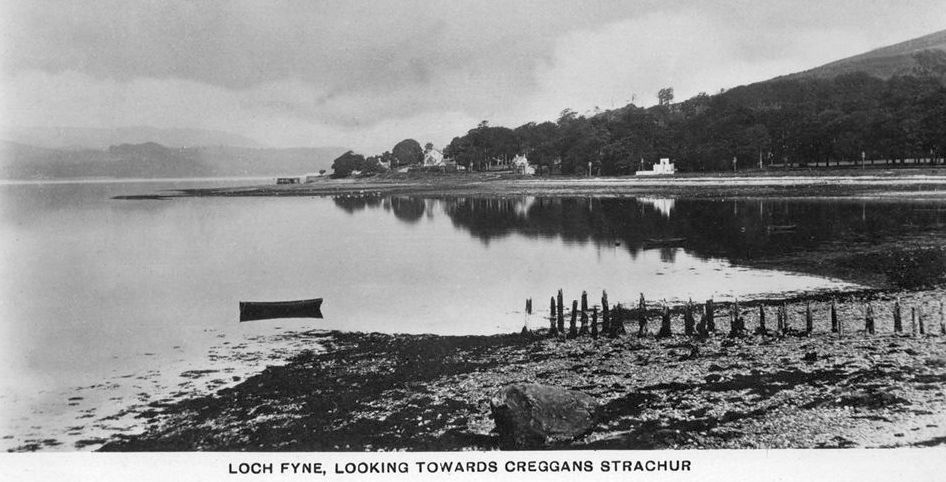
<point>267,310</point>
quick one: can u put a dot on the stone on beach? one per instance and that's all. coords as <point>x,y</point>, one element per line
<point>530,415</point>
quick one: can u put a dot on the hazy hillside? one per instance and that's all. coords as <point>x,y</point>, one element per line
<point>923,56</point>
<point>153,160</point>
<point>93,138</point>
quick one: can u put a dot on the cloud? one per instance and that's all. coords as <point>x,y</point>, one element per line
<point>294,72</point>
<point>270,112</point>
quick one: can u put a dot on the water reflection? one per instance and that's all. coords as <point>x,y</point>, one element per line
<point>737,230</point>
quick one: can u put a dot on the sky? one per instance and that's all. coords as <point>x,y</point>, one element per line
<point>366,74</point>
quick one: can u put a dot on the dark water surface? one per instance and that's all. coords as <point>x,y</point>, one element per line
<point>122,297</point>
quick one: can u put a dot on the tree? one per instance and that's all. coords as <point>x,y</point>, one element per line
<point>407,152</point>
<point>428,147</point>
<point>665,96</point>
<point>344,164</point>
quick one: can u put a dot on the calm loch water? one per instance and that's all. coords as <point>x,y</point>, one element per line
<point>106,304</point>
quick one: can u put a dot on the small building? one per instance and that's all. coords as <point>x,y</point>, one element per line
<point>313,176</point>
<point>662,168</point>
<point>521,164</point>
<point>433,158</point>
<point>287,180</point>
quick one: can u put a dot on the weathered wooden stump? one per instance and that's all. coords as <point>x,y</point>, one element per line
<point>786,319</point>
<point>913,321</point>
<point>869,319</point>
<point>572,327</point>
<point>561,312</point>
<point>710,316</point>
<point>809,321</point>
<point>688,320</point>
<point>642,317</point>
<point>594,322</point>
<point>919,321</point>
<point>528,306</point>
<point>761,329</point>
<point>897,320</point>
<point>583,330</point>
<point>584,314</point>
<point>553,331</point>
<point>617,324</point>
<point>665,330</point>
<point>701,329</point>
<point>834,318</point>
<point>605,313</point>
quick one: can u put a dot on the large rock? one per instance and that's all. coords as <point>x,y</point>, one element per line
<point>530,415</point>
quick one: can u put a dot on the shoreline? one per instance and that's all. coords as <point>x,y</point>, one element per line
<point>372,391</point>
<point>917,183</point>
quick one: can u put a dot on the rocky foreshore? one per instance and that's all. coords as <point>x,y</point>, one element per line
<point>370,391</point>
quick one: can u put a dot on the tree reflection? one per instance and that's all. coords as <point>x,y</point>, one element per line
<point>738,230</point>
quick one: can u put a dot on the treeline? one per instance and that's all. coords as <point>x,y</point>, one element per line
<point>405,153</point>
<point>796,121</point>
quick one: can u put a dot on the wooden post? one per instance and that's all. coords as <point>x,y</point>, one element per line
<point>786,318</point>
<point>834,318</point>
<point>761,319</point>
<point>913,321</point>
<point>869,319</point>
<point>710,321</point>
<point>584,323</point>
<point>701,326</point>
<point>642,320</point>
<point>840,328</point>
<point>552,330</point>
<point>897,320</point>
<point>809,322</point>
<point>919,320</point>
<point>572,328</point>
<point>605,313</point>
<point>617,324</point>
<point>584,314</point>
<point>528,306</point>
<point>688,318</point>
<point>594,322</point>
<point>740,321</point>
<point>665,330</point>
<point>561,313</point>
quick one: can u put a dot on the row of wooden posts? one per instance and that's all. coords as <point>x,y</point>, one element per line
<point>613,326</point>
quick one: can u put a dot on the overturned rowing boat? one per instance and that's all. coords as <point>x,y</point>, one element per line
<point>265,310</point>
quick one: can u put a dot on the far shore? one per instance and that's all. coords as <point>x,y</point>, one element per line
<point>912,182</point>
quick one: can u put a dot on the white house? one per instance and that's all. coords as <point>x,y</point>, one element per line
<point>433,158</point>
<point>522,166</point>
<point>663,168</point>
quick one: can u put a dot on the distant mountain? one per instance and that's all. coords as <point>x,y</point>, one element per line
<point>921,57</point>
<point>153,160</point>
<point>76,138</point>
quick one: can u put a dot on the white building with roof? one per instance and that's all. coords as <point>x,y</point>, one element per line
<point>662,168</point>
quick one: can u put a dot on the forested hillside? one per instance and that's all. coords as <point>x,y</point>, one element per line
<point>802,120</point>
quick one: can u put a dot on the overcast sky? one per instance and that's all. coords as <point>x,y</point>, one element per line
<point>367,74</point>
